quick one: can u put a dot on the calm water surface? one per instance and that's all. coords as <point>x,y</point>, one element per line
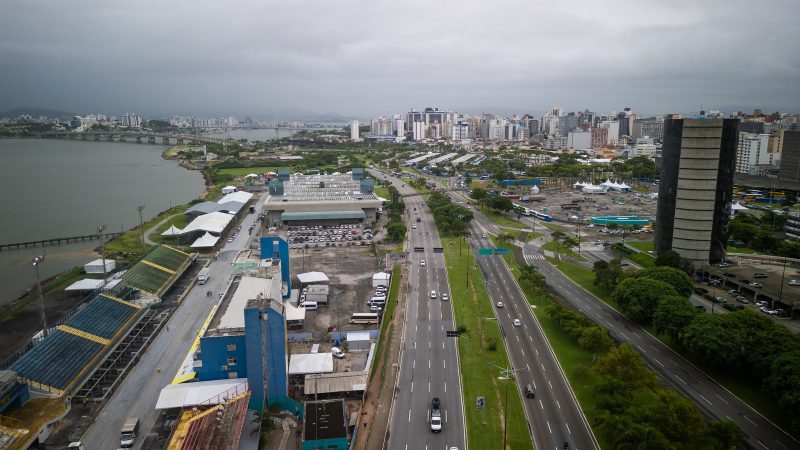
<point>59,188</point>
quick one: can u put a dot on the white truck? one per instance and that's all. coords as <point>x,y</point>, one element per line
<point>128,433</point>
<point>202,277</point>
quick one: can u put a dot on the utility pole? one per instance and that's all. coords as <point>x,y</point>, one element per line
<point>36,261</point>
<point>100,230</point>
<point>141,226</point>
<point>508,375</point>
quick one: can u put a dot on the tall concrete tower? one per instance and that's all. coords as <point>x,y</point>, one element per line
<point>354,131</point>
<point>696,187</point>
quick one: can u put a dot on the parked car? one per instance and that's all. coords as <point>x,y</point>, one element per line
<point>337,352</point>
<point>761,303</point>
<point>759,275</point>
<point>742,299</point>
<point>794,282</point>
<point>730,275</point>
<point>723,264</point>
<point>755,285</point>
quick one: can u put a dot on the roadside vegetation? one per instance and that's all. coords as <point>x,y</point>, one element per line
<point>618,393</point>
<point>749,354</point>
<point>387,330</point>
<point>396,227</point>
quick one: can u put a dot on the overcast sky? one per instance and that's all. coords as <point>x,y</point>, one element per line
<point>370,57</point>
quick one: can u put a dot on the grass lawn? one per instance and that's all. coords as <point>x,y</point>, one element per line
<point>645,246</point>
<point>131,241</point>
<point>553,226</point>
<point>383,192</point>
<point>242,171</point>
<point>501,219</point>
<point>472,306</point>
<point>762,403</point>
<point>643,259</point>
<point>555,247</point>
<point>745,250</point>
<point>48,287</point>
<point>179,220</point>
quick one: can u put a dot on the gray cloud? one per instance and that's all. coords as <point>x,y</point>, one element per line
<point>362,58</point>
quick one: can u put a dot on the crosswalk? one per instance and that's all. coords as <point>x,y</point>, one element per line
<point>530,257</point>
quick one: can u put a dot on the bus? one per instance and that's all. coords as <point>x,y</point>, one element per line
<point>364,318</point>
<point>541,216</point>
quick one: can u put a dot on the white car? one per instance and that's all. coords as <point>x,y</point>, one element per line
<point>433,294</point>
<point>414,226</point>
<point>500,305</point>
<point>375,308</point>
<point>337,352</point>
<point>755,285</point>
<point>794,282</point>
<point>517,323</point>
<point>422,263</point>
<point>484,235</point>
<point>445,296</point>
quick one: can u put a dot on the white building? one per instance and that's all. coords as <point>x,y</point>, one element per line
<point>354,136</point>
<point>399,126</point>
<point>460,131</point>
<point>579,140</point>
<point>419,131</point>
<point>752,151</point>
<point>644,150</point>
<point>613,131</point>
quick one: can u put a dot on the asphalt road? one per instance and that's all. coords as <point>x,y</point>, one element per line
<point>710,396</point>
<point>136,396</point>
<point>553,414</point>
<point>429,365</point>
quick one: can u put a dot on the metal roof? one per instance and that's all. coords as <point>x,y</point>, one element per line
<point>322,215</point>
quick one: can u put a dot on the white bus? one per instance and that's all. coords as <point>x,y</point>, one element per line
<point>364,318</point>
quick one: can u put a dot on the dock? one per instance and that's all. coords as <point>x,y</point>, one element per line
<point>56,241</point>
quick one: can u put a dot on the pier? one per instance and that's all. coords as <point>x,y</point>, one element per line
<point>56,241</point>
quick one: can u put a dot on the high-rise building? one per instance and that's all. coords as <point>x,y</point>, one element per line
<point>354,136</point>
<point>413,117</point>
<point>460,131</point>
<point>790,157</point>
<point>751,152</point>
<point>399,126</point>
<point>579,140</point>
<point>793,225</point>
<point>599,137</point>
<point>419,130</point>
<point>694,195</point>
<point>652,127</point>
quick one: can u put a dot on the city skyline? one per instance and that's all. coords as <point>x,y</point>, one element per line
<point>520,58</point>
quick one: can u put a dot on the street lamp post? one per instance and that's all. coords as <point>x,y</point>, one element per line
<point>36,261</point>
<point>141,226</point>
<point>507,374</point>
<point>100,230</point>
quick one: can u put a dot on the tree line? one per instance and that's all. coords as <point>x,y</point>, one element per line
<point>451,219</point>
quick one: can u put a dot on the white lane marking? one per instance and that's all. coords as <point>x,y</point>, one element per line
<point>567,425</point>
<point>445,386</point>
<point>659,362</point>
<point>670,360</point>
<point>412,386</point>
<point>551,384</point>
<point>625,336</point>
<point>541,404</point>
<point>641,348</point>
<point>762,444</point>
<point>517,338</point>
<point>749,420</point>
<point>429,386</point>
<point>558,404</point>
<point>444,363</point>
<point>718,396</point>
<point>704,398</point>
<point>681,380</point>
<point>414,364</point>
<point>409,416</point>
<point>445,416</point>
<point>530,338</point>
<point>543,369</point>
<point>429,344</point>
<point>442,345</point>
<point>537,351</point>
<point>523,352</point>
<point>548,427</point>
<point>534,384</point>
<point>429,364</point>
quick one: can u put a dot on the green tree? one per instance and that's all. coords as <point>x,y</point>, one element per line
<point>595,339</point>
<point>479,194</point>
<point>613,396</point>
<point>784,380</point>
<point>676,278</point>
<point>726,435</point>
<point>672,315</point>
<point>500,203</point>
<point>607,274</point>
<point>678,419</point>
<point>709,338</point>
<point>505,239</point>
<point>639,297</point>
<point>396,231</point>
<point>671,258</point>
<point>624,364</point>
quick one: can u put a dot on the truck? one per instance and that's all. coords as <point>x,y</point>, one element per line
<point>202,277</point>
<point>128,433</point>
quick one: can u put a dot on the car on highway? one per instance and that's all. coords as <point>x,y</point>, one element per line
<point>517,323</point>
<point>422,263</point>
<point>484,235</point>
<point>414,226</point>
<point>433,293</point>
<point>742,299</point>
<point>759,275</point>
<point>436,403</point>
<point>500,305</point>
<point>723,264</point>
<point>529,392</point>
<point>754,284</point>
<point>445,296</point>
<point>761,303</point>
<point>794,282</point>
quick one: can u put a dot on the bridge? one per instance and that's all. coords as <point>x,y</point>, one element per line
<point>437,190</point>
<point>141,137</point>
<point>56,241</point>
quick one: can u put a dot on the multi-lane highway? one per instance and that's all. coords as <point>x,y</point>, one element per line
<point>686,378</point>
<point>429,365</point>
<point>553,414</point>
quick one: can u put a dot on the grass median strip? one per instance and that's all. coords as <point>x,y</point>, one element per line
<point>479,344</point>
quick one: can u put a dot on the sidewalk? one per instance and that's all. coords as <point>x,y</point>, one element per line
<point>378,399</point>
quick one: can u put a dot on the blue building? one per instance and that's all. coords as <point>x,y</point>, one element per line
<point>13,394</point>
<point>246,338</point>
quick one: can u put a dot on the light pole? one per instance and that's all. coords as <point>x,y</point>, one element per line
<point>507,374</point>
<point>36,261</point>
<point>100,230</point>
<point>141,226</point>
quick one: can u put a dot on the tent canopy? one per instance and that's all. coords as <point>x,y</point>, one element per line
<point>739,207</point>
<point>172,231</point>
<point>313,278</point>
<point>191,394</point>
<point>214,222</point>
<point>207,240</point>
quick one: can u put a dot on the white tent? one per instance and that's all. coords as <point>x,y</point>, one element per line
<point>238,196</point>
<point>579,185</point>
<point>207,240</point>
<point>228,189</point>
<point>313,278</point>
<point>592,189</point>
<point>172,231</point>
<point>214,222</point>
<point>535,190</point>
<point>624,187</point>
<point>90,284</point>
<point>251,175</point>
<point>96,266</point>
<point>301,364</point>
<point>739,207</point>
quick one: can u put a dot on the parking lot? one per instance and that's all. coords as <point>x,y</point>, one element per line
<point>327,236</point>
<point>752,284</point>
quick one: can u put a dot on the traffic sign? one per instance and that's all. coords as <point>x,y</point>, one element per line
<point>501,251</point>
<point>485,251</point>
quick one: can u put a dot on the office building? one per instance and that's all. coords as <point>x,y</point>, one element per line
<point>751,152</point>
<point>579,140</point>
<point>599,137</point>
<point>793,225</point>
<point>694,195</point>
<point>354,131</point>
<point>399,126</point>
<point>789,157</point>
<point>652,127</point>
<point>419,130</point>
<point>412,117</point>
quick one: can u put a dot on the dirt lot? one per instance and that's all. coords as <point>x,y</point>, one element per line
<point>350,271</point>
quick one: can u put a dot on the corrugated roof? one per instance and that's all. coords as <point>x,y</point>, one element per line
<point>322,215</point>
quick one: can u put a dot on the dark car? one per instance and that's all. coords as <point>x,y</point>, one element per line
<point>529,391</point>
<point>745,281</point>
<point>730,275</point>
<point>435,403</point>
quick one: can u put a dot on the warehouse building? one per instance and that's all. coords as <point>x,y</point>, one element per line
<point>325,200</point>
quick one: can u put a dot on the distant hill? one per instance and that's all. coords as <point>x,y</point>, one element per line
<point>35,112</point>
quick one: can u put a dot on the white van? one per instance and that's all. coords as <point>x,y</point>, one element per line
<point>374,300</point>
<point>309,306</point>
